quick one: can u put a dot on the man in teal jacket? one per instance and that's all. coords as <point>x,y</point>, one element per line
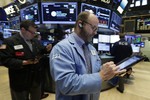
<point>69,67</point>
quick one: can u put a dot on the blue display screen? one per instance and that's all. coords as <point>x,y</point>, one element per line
<point>115,22</point>
<point>30,13</point>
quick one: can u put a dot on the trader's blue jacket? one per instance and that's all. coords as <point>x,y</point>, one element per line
<point>68,69</point>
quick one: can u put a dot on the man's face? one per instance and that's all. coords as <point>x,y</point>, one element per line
<point>30,33</point>
<point>90,29</point>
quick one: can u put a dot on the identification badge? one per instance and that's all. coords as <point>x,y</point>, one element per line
<point>17,47</point>
<point>93,52</point>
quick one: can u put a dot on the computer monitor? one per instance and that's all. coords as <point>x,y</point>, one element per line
<point>103,47</point>
<point>103,14</point>
<point>134,39</point>
<point>115,22</point>
<point>31,13</point>
<point>89,7</point>
<point>15,23</point>
<point>122,6</point>
<point>59,12</point>
<point>95,40</point>
<point>114,38</point>
<point>135,48</point>
<point>104,38</point>
<point>4,28</point>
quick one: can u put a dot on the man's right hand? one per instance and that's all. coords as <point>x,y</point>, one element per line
<point>109,70</point>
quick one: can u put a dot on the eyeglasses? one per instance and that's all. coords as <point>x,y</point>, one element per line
<point>31,32</point>
<point>94,28</point>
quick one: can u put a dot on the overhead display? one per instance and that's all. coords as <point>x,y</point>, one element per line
<point>30,13</point>
<point>59,12</point>
<point>115,22</point>
<point>122,6</point>
<point>103,14</point>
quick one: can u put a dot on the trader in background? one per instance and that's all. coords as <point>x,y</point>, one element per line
<point>121,49</point>
<point>21,56</point>
<point>77,76</point>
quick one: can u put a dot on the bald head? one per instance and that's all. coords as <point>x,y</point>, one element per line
<point>85,16</point>
<point>86,25</point>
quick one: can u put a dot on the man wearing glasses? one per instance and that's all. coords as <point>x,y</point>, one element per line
<point>75,65</point>
<point>21,56</point>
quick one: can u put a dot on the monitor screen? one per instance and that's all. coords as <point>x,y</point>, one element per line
<point>31,13</point>
<point>134,39</point>
<point>4,25</point>
<point>95,40</point>
<point>89,7</point>
<point>103,14</point>
<point>114,38</point>
<point>135,48</point>
<point>59,12</point>
<point>15,23</point>
<point>128,62</point>
<point>4,28</point>
<point>104,38</point>
<point>115,22</point>
<point>103,47</point>
<point>122,6</point>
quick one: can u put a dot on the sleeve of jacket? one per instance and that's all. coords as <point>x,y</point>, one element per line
<point>63,71</point>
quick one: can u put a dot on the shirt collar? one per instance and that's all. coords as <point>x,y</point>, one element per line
<point>79,41</point>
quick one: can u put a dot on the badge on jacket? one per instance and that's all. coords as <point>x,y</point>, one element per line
<point>17,47</point>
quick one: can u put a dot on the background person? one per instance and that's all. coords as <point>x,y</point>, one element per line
<point>21,56</point>
<point>75,77</point>
<point>120,50</point>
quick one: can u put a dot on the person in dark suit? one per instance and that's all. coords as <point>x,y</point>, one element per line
<point>120,50</point>
<point>21,56</point>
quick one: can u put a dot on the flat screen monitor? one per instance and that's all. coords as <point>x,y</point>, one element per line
<point>30,13</point>
<point>134,39</point>
<point>122,6</point>
<point>104,38</point>
<point>15,23</point>
<point>89,7</point>
<point>103,47</point>
<point>115,22</point>
<point>59,12</point>
<point>95,40</point>
<point>4,28</point>
<point>135,48</point>
<point>4,25</point>
<point>103,14</point>
<point>114,38</point>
